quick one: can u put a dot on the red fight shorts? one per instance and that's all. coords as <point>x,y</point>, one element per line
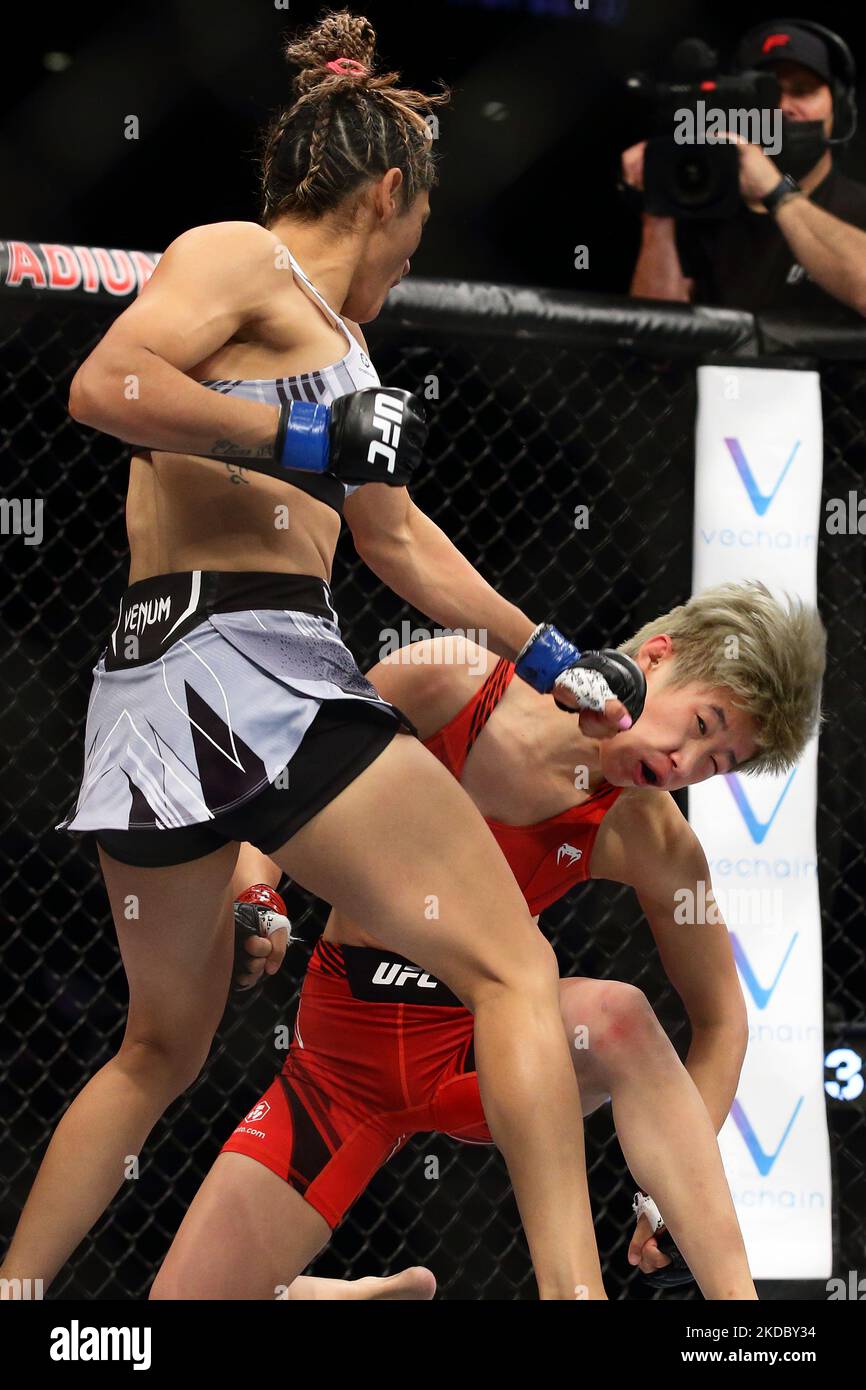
<point>381,1050</point>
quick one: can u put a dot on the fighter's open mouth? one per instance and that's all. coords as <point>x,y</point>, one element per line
<point>649,774</point>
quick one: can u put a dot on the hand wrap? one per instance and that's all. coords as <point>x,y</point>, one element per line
<point>259,911</point>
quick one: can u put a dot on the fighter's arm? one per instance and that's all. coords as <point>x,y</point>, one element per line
<point>415,558</point>
<point>431,680</point>
<point>699,962</point>
<point>664,862</point>
<point>134,385</point>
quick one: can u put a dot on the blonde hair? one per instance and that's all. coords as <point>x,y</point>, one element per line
<point>769,656</point>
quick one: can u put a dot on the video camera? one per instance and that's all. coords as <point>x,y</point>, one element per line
<point>690,169</point>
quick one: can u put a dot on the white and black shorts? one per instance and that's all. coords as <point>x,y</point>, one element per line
<point>226,707</point>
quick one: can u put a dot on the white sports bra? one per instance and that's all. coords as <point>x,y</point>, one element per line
<point>352,373</point>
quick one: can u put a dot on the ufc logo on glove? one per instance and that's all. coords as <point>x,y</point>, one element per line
<point>387,418</point>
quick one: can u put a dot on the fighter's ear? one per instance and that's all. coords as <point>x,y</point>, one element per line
<point>655,650</point>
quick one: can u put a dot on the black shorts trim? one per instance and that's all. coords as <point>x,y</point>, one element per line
<point>156,613</point>
<point>343,739</point>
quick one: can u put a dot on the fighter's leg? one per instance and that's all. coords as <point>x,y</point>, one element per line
<point>247,1235</point>
<point>308,1135</point>
<point>176,941</point>
<point>414,1284</point>
<point>619,1047</point>
<point>404,851</point>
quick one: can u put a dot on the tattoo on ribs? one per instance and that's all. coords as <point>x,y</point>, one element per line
<point>236,474</point>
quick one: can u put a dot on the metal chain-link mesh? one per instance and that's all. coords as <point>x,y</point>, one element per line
<point>524,432</point>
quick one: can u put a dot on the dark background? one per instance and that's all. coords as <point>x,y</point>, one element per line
<point>530,147</point>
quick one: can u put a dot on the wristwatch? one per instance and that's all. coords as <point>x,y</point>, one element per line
<point>786,188</point>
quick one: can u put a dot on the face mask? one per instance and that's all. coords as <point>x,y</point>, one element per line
<point>803,143</point>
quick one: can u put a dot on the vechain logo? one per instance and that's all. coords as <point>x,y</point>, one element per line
<point>761,501</point>
<point>761,994</point>
<point>757,828</point>
<point>763,1159</point>
<point>787,865</point>
<point>767,537</point>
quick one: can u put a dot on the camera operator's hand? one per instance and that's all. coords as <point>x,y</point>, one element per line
<point>654,225</point>
<point>657,273</point>
<point>758,174</point>
<point>632,165</point>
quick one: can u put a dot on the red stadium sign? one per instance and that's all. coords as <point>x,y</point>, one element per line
<point>82,272</point>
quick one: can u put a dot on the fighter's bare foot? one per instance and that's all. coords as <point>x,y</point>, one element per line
<point>414,1284</point>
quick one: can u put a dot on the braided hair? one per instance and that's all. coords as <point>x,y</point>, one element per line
<point>346,124</point>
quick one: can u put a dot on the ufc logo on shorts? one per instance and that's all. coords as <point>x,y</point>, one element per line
<point>387,419</point>
<point>388,970</point>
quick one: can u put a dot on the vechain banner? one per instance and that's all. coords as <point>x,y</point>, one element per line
<point>757,513</point>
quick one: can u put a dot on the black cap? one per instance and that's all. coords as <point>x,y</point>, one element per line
<point>786,43</point>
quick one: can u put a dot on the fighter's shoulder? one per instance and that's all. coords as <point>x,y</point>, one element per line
<point>433,679</point>
<point>643,835</point>
<point>235,248</point>
<point>656,818</point>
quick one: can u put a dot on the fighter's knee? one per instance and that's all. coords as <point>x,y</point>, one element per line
<point>530,968</point>
<point>168,1063</point>
<point>624,1022</point>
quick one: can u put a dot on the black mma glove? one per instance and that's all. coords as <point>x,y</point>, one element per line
<point>372,436</point>
<point>548,661</point>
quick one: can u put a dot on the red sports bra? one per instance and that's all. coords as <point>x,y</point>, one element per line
<point>547,858</point>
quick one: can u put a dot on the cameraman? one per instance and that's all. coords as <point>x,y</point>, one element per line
<point>791,245</point>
